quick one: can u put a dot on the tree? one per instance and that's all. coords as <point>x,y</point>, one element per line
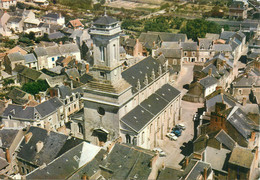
<point>12,8</point>
<point>35,87</point>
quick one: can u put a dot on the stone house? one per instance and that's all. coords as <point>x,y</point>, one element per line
<point>205,49</point>
<point>49,114</point>
<point>134,47</point>
<point>190,51</point>
<point>31,61</point>
<point>242,163</point>
<point>15,24</point>
<point>243,86</point>
<point>238,10</point>
<point>30,75</point>
<point>41,146</point>
<point>5,4</point>
<point>12,60</point>
<point>53,18</point>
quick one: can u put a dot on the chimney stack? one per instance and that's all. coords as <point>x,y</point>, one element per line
<point>7,154</point>
<point>87,68</point>
<point>210,71</point>
<point>205,174</point>
<point>244,101</point>
<point>39,146</point>
<point>27,137</point>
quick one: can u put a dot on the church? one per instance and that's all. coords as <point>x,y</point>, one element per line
<point>137,104</point>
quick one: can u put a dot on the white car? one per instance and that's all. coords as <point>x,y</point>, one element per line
<point>160,151</point>
<point>181,126</point>
<point>171,136</point>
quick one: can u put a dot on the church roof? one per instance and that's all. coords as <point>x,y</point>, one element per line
<point>105,20</point>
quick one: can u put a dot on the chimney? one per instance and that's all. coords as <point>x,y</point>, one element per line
<point>60,42</point>
<point>30,97</point>
<point>219,87</point>
<point>27,137</point>
<point>252,136</point>
<point>87,68</point>
<point>39,146</point>
<point>153,43</point>
<point>153,160</point>
<point>205,174</point>
<point>210,71</point>
<point>186,162</point>
<point>7,155</point>
<point>137,40</point>
<point>84,177</point>
<point>222,30</point>
<point>24,107</point>
<point>244,101</point>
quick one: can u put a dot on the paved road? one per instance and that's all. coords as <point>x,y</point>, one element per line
<point>177,150</point>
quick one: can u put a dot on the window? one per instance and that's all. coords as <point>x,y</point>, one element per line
<point>75,106</point>
<point>69,109</point>
<point>102,74</point>
<point>65,102</point>
<point>102,53</point>
<point>185,53</point>
<point>101,111</point>
<point>151,126</point>
<point>52,59</point>
<point>142,137</point>
<point>114,48</point>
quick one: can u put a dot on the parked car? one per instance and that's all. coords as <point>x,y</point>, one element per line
<point>177,131</point>
<point>181,126</point>
<point>172,136</point>
<point>160,151</point>
<point>195,117</point>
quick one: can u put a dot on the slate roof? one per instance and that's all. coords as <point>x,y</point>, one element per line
<point>222,47</point>
<point>227,34</point>
<point>208,81</point>
<point>242,157</point>
<point>139,70</point>
<point>72,73</point>
<point>40,51</point>
<point>169,53</point>
<point>15,57</point>
<point>239,120</point>
<point>30,58</point>
<point>225,139</point>
<point>198,170</point>
<point>130,42</point>
<point>18,96</point>
<point>64,91</point>
<point>67,164</point>
<point>56,35</point>
<point>85,78</point>
<point>31,74</point>
<point>189,46</point>
<point>169,174</point>
<point>14,19</point>
<point>52,51</point>
<point>48,107</point>
<point>52,144</point>
<point>217,158</point>
<point>7,137</point>
<point>141,115</point>
<point>105,20</point>
<point>205,43</point>
<point>52,16</point>
<point>69,48</point>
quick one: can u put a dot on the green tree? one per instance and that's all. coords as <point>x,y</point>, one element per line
<point>35,87</point>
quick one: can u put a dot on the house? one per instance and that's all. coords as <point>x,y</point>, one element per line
<point>10,139</point>
<point>75,24</point>
<point>17,49</point>
<point>31,61</point>
<point>49,27</point>
<point>190,51</point>
<point>79,36</point>
<point>219,96</point>
<point>194,170</point>
<point>47,56</point>
<point>235,123</point>
<point>12,60</point>
<point>238,10</point>
<point>70,98</point>
<point>54,18</point>
<point>199,90</point>
<point>243,86</point>
<point>40,146</point>
<point>205,49</point>
<point>92,164</point>
<point>56,35</point>
<point>5,4</point>
<point>49,114</point>
<point>131,112</point>
<point>242,163</point>
<point>15,24</point>
<point>20,97</point>
<point>4,17</point>
<point>134,47</point>
<point>30,75</point>
<point>41,2</point>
